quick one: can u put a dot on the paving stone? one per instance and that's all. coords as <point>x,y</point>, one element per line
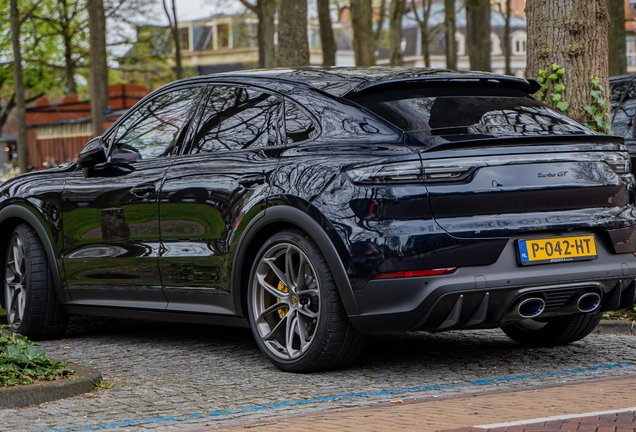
<point>173,370</point>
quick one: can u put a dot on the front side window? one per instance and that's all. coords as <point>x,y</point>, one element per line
<point>237,118</point>
<point>154,129</point>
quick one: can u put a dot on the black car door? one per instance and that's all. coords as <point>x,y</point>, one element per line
<point>221,174</point>
<point>111,213</point>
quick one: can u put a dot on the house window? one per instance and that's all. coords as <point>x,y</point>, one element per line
<point>631,51</point>
<point>519,43</point>
<point>520,46</point>
<point>223,35</point>
<point>184,38</point>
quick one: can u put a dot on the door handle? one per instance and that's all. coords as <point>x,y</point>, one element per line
<point>143,191</point>
<point>247,182</point>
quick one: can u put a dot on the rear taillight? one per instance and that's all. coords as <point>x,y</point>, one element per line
<point>390,173</point>
<point>619,162</point>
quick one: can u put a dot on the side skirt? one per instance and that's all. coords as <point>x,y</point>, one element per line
<point>159,316</point>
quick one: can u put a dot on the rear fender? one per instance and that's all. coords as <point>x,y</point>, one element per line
<point>290,217</point>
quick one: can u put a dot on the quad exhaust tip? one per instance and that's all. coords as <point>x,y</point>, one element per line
<point>531,307</point>
<point>588,302</point>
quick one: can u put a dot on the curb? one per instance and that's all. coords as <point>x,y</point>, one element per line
<point>616,327</point>
<point>83,380</point>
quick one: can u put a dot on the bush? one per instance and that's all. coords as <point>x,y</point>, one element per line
<point>22,363</point>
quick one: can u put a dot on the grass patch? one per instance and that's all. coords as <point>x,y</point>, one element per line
<point>22,363</point>
<point>621,315</point>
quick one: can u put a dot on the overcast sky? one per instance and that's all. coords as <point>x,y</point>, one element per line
<point>190,9</point>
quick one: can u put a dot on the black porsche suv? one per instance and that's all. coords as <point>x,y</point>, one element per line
<point>319,206</point>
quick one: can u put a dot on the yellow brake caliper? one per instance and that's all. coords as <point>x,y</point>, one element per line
<point>282,288</point>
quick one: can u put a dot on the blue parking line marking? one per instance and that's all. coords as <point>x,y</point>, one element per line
<point>286,404</point>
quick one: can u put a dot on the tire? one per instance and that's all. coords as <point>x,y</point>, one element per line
<point>299,323</point>
<point>556,331</point>
<point>32,308</point>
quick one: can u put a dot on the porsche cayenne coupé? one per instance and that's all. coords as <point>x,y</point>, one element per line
<point>319,206</point>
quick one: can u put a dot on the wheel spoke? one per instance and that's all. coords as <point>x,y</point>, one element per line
<point>289,269</point>
<point>290,331</point>
<point>270,289</point>
<point>302,332</point>
<point>16,304</point>
<point>301,283</point>
<point>18,257</point>
<point>273,308</point>
<point>278,272</point>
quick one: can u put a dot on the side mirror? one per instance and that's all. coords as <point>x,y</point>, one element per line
<point>93,153</point>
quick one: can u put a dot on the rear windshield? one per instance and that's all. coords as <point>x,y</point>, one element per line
<point>475,115</point>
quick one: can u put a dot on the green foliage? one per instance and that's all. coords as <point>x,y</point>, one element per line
<point>22,363</point>
<point>552,87</point>
<point>621,315</point>
<point>600,118</point>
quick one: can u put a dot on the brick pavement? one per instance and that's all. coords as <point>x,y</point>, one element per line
<point>566,403</point>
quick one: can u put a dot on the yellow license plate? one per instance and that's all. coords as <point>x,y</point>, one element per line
<point>558,249</point>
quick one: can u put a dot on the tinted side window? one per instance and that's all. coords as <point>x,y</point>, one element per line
<point>154,129</point>
<point>298,125</point>
<point>623,112</point>
<point>237,118</point>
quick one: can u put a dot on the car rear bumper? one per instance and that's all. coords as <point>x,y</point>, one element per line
<point>488,296</point>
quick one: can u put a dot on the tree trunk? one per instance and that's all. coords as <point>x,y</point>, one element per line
<point>478,34</point>
<point>363,36</point>
<point>174,31</point>
<point>327,39</point>
<point>23,153</point>
<point>70,86</point>
<point>99,67</point>
<point>573,34</point>
<point>506,39</point>
<point>449,34</point>
<point>617,38</point>
<point>395,32</point>
<point>266,31</point>
<point>426,47</point>
<point>293,45</point>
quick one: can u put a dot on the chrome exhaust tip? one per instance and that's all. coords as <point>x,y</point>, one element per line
<point>532,307</point>
<point>588,302</point>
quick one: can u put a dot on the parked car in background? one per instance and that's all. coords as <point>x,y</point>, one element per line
<point>318,206</point>
<point>623,102</point>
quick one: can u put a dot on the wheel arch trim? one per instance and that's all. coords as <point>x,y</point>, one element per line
<point>303,221</point>
<point>28,216</point>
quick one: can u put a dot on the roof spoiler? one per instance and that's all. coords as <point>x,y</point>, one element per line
<point>530,86</point>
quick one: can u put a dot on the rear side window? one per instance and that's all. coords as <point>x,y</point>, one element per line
<point>490,115</point>
<point>299,127</point>
<point>237,118</point>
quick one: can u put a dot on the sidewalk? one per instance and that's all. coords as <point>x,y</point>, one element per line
<point>604,405</point>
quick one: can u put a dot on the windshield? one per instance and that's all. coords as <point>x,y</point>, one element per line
<point>486,116</point>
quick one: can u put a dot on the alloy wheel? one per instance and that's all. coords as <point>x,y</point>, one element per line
<point>286,301</point>
<point>15,282</point>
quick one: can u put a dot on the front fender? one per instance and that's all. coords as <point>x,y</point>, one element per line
<point>14,214</point>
